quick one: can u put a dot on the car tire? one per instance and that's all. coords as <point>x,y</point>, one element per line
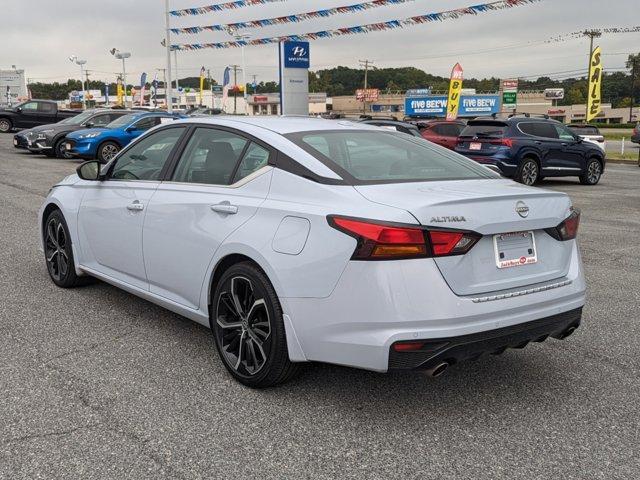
<point>58,253</point>
<point>5,125</point>
<point>107,151</point>
<point>529,172</point>
<point>593,172</point>
<point>59,150</point>
<point>246,320</point>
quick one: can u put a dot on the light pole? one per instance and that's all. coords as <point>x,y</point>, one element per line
<point>77,61</point>
<point>168,89</point>
<point>122,56</point>
<point>242,39</point>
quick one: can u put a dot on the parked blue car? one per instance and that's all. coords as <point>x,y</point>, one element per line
<point>105,143</point>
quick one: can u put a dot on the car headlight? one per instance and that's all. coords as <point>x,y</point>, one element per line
<point>90,135</point>
<point>44,133</point>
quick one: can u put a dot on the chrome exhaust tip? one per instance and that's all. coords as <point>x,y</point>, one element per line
<point>567,332</point>
<point>437,370</point>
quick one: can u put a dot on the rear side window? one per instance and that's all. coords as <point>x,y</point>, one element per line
<point>385,157</point>
<point>486,129</point>
<point>539,129</point>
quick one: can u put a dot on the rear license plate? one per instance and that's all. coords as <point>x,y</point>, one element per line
<point>475,146</point>
<point>515,249</point>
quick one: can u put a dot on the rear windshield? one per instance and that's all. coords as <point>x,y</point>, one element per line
<point>584,130</point>
<point>484,130</point>
<point>386,157</point>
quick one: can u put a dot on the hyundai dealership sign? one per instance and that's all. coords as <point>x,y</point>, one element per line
<point>436,106</point>
<point>294,78</point>
<point>296,54</point>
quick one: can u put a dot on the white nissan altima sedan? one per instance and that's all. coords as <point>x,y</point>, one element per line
<point>301,240</point>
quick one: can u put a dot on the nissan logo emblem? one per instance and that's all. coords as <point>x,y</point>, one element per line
<point>522,209</point>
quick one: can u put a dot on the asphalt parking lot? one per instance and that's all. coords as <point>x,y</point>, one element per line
<point>96,383</point>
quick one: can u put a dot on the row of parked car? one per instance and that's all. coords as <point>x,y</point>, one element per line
<point>521,147</point>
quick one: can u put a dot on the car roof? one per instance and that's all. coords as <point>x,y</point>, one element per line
<point>389,122</point>
<point>282,124</point>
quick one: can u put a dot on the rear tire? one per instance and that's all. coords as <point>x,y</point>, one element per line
<point>246,320</point>
<point>107,151</point>
<point>59,254</point>
<point>5,125</point>
<point>592,173</point>
<point>528,173</point>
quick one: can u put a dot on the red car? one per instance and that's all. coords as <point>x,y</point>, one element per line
<point>442,132</point>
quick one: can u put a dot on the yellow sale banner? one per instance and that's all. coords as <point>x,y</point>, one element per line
<point>594,101</point>
<point>120,92</point>
<point>455,89</point>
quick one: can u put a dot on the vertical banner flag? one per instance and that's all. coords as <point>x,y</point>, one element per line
<point>594,104</point>
<point>120,92</point>
<point>143,86</point>
<point>202,72</point>
<point>106,92</point>
<point>226,80</point>
<point>455,89</point>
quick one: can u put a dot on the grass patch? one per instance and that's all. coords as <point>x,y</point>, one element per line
<point>627,157</point>
<point>616,134</point>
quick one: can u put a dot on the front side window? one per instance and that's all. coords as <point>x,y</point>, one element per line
<point>375,157</point>
<point>101,120</point>
<point>210,157</point>
<point>146,159</point>
<point>29,107</point>
<point>564,133</point>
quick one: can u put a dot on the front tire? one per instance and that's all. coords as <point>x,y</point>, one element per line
<point>58,252</point>
<point>592,173</point>
<point>528,173</point>
<point>5,125</point>
<point>107,151</point>
<point>246,319</point>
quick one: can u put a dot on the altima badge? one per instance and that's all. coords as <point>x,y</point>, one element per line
<point>447,219</point>
<point>522,209</point>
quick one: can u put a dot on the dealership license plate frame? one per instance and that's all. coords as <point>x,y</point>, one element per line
<point>475,146</point>
<point>516,248</point>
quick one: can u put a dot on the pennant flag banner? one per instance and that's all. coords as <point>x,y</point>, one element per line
<point>372,27</point>
<point>295,18</point>
<point>574,35</point>
<point>219,7</point>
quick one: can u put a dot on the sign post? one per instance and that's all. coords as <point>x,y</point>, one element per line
<point>294,78</point>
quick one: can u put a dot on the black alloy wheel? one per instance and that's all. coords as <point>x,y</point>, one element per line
<point>58,252</point>
<point>246,319</point>
<point>593,172</point>
<point>529,172</point>
<point>60,150</point>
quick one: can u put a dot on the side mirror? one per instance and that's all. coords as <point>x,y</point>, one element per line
<point>18,109</point>
<point>579,139</point>
<point>89,170</point>
<point>130,129</point>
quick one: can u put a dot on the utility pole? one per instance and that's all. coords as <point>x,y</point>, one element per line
<point>255,88</point>
<point>366,64</point>
<point>634,60</point>
<point>235,88</point>
<point>168,91</point>
<point>591,34</point>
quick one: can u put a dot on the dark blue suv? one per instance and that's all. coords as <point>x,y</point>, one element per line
<point>528,149</point>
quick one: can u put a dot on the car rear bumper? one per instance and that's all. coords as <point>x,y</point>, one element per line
<point>376,304</point>
<point>452,350</point>
<point>506,165</point>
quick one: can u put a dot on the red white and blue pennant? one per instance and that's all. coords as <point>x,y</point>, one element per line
<point>359,29</point>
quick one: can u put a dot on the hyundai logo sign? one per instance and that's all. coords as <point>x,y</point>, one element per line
<point>296,54</point>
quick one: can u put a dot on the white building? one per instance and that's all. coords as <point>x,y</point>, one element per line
<point>13,88</point>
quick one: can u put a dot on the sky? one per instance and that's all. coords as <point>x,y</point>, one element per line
<point>40,35</point>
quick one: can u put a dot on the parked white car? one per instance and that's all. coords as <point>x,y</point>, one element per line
<point>302,240</point>
<point>589,133</point>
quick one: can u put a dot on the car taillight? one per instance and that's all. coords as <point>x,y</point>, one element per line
<point>507,142</point>
<point>387,241</point>
<point>568,229</point>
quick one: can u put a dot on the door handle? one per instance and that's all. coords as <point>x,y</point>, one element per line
<point>225,208</point>
<point>135,206</point>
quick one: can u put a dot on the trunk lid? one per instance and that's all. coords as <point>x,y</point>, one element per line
<point>487,207</point>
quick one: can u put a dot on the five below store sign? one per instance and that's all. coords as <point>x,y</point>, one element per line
<point>436,106</point>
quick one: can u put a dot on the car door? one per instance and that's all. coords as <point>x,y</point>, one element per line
<point>217,185</point>
<point>572,158</point>
<point>112,212</point>
<point>29,116</point>
<point>48,113</point>
<point>546,142</point>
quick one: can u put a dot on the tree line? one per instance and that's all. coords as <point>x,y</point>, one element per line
<point>616,86</point>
